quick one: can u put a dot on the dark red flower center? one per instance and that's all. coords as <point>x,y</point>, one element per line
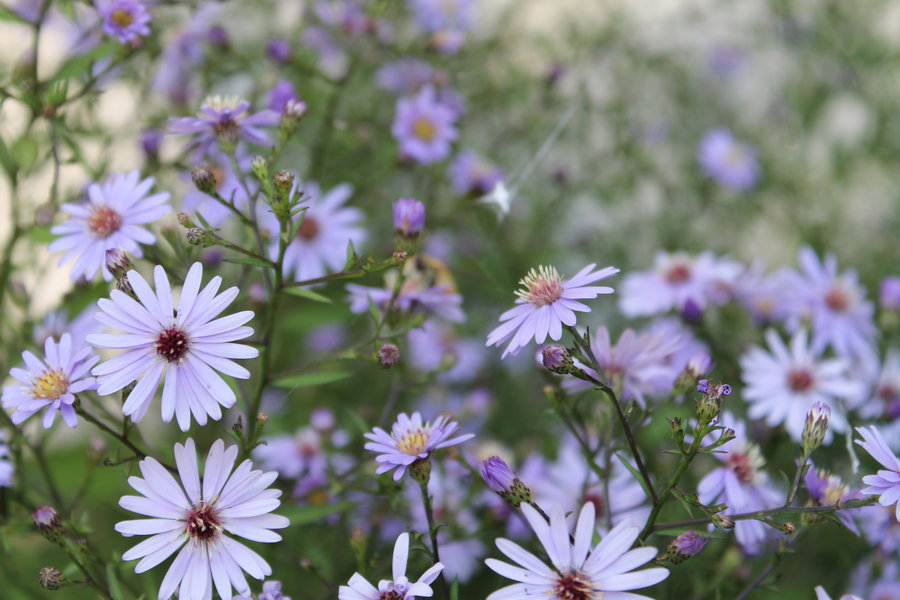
<point>573,586</point>
<point>392,595</point>
<point>596,499</point>
<point>104,221</point>
<point>309,229</point>
<point>837,299</point>
<point>741,465</point>
<point>799,380</point>
<point>172,344</point>
<point>203,522</point>
<point>678,273</point>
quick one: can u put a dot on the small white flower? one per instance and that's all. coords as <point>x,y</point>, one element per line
<point>397,588</point>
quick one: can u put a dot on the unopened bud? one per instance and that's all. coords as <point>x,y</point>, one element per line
<point>260,167</point>
<point>420,471</point>
<point>709,405</point>
<point>46,519</point>
<point>723,521</point>
<point>388,355</point>
<point>684,546</point>
<point>556,359</point>
<point>262,418</point>
<point>199,237</point>
<point>358,541</point>
<point>52,579</point>
<point>184,220</point>
<point>291,115</point>
<point>238,426</point>
<point>284,180</point>
<point>816,427</point>
<point>118,263</point>
<point>204,179</point>
<point>504,482</point>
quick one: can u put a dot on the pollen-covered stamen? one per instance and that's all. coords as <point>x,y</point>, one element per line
<point>837,299</point>
<point>799,379</point>
<point>834,491</point>
<point>678,273</point>
<point>415,442</point>
<point>541,286</point>
<point>50,386</point>
<point>104,221</point>
<point>172,344</point>
<point>575,586</point>
<point>309,229</point>
<point>203,522</point>
<point>122,18</point>
<point>424,129</point>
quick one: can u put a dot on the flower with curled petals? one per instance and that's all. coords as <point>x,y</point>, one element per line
<point>579,571</point>
<point>186,348</point>
<point>194,515</point>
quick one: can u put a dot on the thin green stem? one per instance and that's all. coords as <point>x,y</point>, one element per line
<point>432,532</point>
<point>137,452</point>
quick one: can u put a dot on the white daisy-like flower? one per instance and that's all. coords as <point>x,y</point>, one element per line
<point>111,218</point>
<point>397,588</point>
<point>194,516</point>
<point>185,348</point>
<point>578,571</point>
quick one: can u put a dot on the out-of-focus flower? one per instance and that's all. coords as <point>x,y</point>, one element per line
<point>886,483</point>
<point>280,94</point>
<point>890,294</point>
<point>184,348</point>
<point>836,305</point>
<point>111,218</point>
<point>307,456</point>
<point>183,55</point>
<point>471,174</point>
<point>56,323</point>
<point>766,296</point>
<point>51,384</point>
<point>195,514</point>
<point>437,345</point>
<point>579,570</point>
<point>782,384</point>
<point>424,127</point>
<point>404,76</point>
<point>224,120</point>
<point>388,355</point>
<point>728,161</point>
<point>151,140</point>
<point>279,51</point>
<point>398,587</point>
<point>411,439</point>
<point>884,400</point>
<point>428,288</point>
<point>546,302</point>
<point>741,484</point>
<point>7,467</point>
<point>271,590</point>
<point>678,280</point>
<point>435,15</point>
<point>126,20</point>
<point>409,217</point>
<point>821,594</point>
<point>826,489</point>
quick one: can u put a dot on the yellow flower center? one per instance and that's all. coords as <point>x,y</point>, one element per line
<point>415,441</point>
<point>541,286</point>
<point>424,129</point>
<point>50,386</point>
<point>122,18</point>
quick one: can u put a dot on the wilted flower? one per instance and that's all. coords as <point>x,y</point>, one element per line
<point>111,218</point>
<point>411,439</point>
<point>731,163</point>
<point>886,483</point>
<point>424,127</point>
<point>546,302</point>
<point>195,514</point>
<point>398,587</point>
<point>124,19</point>
<point>578,569</point>
<point>51,383</point>
<point>388,355</point>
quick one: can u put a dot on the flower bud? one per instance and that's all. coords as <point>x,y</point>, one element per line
<point>890,294</point>
<point>284,180</point>
<point>184,220</point>
<point>684,546</point>
<point>504,482</point>
<point>260,167</point>
<point>816,427</point>
<point>118,263</point>
<point>204,179</point>
<point>723,521</point>
<point>291,115</point>
<point>709,405</point>
<point>151,140</point>
<point>262,418</point>
<point>556,359</point>
<point>420,471</point>
<point>409,218</point>
<point>52,579</point>
<point>388,355</point>
<point>400,255</point>
<point>48,523</point>
<point>199,237</point>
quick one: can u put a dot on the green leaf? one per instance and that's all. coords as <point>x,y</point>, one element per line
<point>250,260</point>
<point>81,63</point>
<point>24,151</point>
<point>6,159</point>
<point>308,294</point>
<point>454,589</point>
<point>112,581</point>
<point>302,515</point>
<point>352,257</point>
<point>40,235</point>
<point>311,379</point>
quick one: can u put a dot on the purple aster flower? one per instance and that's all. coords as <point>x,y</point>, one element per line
<point>676,280</point>
<point>578,570</point>
<point>766,296</point>
<point>151,140</point>
<point>424,127</point>
<point>404,76</point>
<point>194,515</point>
<point>224,120</point>
<point>637,365</point>
<point>741,484</point>
<point>886,483</point>
<point>884,400</point>
<point>327,226</point>
<point>280,94</point>
<point>56,323</point>
<point>183,55</point>
<point>821,594</point>
<point>399,586</point>
<point>826,489</point>
<point>546,302</point>
<point>409,217</point>
<point>279,51</point>
<point>437,346</point>
<point>782,384</point>
<point>435,15</point>
<point>497,475</point>
<point>411,439</point>
<point>428,287</point>
<point>184,348</point>
<point>110,218</point>
<point>125,19</point>
<point>836,304</point>
<point>890,293</point>
<point>51,384</point>
<point>471,174</point>
<point>731,163</point>
<point>309,457</point>
<point>686,545</point>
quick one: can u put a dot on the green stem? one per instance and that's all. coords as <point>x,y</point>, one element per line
<point>432,532</point>
<point>137,452</point>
